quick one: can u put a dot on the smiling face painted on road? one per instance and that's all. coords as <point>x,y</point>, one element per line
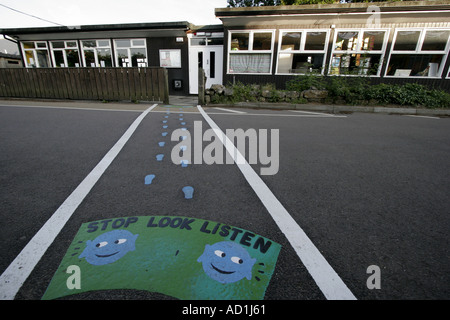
<point>226,262</point>
<point>109,247</point>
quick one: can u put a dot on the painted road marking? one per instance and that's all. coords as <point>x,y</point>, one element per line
<point>192,259</point>
<point>71,108</point>
<point>323,274</point>
<point>315,113</point>
<point>188,192</point>
<point>426,117</point>
<point>149,179</point>
<point>319,115</point>
<point>234,111</point>
<point>278,115</point>
<point>18,271</point>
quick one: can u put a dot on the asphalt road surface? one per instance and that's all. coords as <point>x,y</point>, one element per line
<point>359,202</point>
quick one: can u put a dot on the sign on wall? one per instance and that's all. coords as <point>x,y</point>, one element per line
<point>170,58</point>
<point>186,258</point>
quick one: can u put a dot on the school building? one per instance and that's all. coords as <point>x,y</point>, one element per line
<point>393,42</point>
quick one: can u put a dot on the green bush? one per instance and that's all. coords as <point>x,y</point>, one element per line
<point>410,94</point>
<point>306,82</point>
<point>355,90</point>
<point>351,90</point>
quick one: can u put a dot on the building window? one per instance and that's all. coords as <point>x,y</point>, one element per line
<point>36,54</point>
<point>302,51</point>
<point>250,52</point>
<point>65,54</point>
<point>358,52</point>
<point>131,52</point>
<point>418,53</point>
<point>96,53</point>
<point>202,39</point>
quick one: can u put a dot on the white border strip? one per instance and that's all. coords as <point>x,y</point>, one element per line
<point>18,271</point>
<point>68,108</point>
<point>314,113</point>
<point>234,111</point>
<point>323,274</point>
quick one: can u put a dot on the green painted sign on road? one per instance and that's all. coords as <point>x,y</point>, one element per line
<point>185,258</point>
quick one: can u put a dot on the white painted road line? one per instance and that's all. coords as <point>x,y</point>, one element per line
<point>323,274</point>
<point>70,108</point>
<point>18,271</point>
<point>276,115</point>
<point>234,111</point>
<point>426,117</point>
<point>315,113</point>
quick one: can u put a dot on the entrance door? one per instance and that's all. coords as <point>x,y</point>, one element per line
<point>209,58</point>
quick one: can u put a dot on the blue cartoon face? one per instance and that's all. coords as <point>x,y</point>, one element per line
<point>226,262</point>
<point>109,247</point>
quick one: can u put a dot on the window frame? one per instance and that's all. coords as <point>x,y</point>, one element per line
<point>302,48</point>
<point>419,51</point>
<point>381,52</point>
<point>206,36</point>
<point>128,48</point>
<point>66,47</point>
<point>250,50</point>
<point>34,52</point>
<point>95,51</point>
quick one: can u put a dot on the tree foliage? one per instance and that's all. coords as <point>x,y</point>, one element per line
<point>300,2</point>
<point>260,3</point>
<point>252,3</point>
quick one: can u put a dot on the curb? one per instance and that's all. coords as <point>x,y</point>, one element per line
<point>337,108</point>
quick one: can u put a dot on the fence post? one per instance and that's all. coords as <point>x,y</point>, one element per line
<point>166,86</point>
<point>201,86</point>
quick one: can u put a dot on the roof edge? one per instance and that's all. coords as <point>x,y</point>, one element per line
<point>184,25</point>
<point>334,7</point>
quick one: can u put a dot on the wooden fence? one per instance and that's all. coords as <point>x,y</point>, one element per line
<point>145,84</point>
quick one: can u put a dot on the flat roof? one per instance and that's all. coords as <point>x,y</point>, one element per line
<point>137,30</point>
<point>100,27</point>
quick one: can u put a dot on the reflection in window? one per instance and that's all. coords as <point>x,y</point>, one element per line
<point>426,57</point>
<point>358,52</point>
<point>406,40</point>
<point>104,57</point>
<point>302,52</point>
<point>346,41</point>
<point>291,40</point>
<point>315,40</point>
<point>372,40</point>
<point>435,40</point>
<point>28,45</point>
<point>89,58</point>
<point>36,54</point>
<point>262,41</point>
<point>59,58</point>
<point>251,52</point>
<point>240,41</point>
<point>65,54</point>
<point>138,57</point>
<point>131,53</point>
<point>300,63</point>
<point>198,42</point>
<point>96,53</point>
<point>355,64</point>
<point>414,65</point>
<point>30,59</point>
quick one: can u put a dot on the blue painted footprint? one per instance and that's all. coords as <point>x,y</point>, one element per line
<point>188,192</point>
<point>149,178</point>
